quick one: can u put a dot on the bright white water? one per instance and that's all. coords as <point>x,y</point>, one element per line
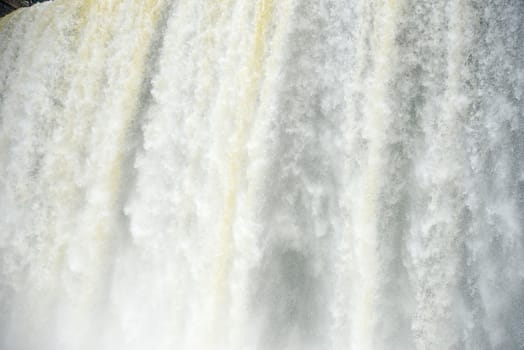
<point>270,174</point>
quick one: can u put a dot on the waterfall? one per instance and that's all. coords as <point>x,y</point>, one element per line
<point>262,175</point>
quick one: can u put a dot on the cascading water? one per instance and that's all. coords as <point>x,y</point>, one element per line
<point>269,174</point>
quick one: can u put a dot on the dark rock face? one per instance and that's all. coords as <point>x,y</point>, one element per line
<point>5,9</point>
<point>7,6</point>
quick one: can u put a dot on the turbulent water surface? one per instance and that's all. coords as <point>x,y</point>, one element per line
<point>269,174</point>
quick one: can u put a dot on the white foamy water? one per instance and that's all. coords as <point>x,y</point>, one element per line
<point>269,175</point>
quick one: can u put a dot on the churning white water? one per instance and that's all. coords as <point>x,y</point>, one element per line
<point>262,174</point>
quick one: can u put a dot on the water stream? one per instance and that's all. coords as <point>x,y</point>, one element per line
<point>262,175</point>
